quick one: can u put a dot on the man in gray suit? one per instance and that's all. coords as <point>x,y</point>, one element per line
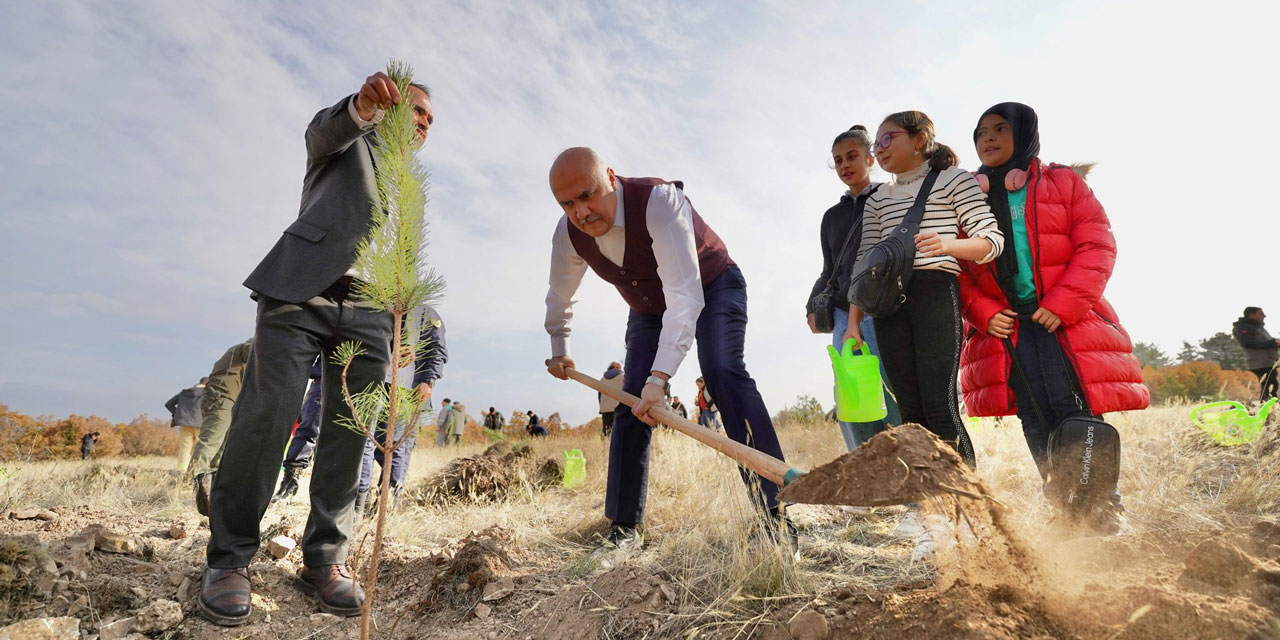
<point>306,307</point>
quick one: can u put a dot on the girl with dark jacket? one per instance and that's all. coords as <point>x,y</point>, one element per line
<point>920,342</point>
<point>1045,294</point>
<point>840,235</point>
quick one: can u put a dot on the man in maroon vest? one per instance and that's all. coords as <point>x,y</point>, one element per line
<point>643,236</point>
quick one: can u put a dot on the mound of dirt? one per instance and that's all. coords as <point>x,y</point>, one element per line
<point>898,466</point>
<point>489,476</point>
<point>1218,562</point>
<point>481,558</point>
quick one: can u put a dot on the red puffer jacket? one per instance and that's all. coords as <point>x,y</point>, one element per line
<point>1074,252</point>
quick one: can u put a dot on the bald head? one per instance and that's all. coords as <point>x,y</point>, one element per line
<point>584,187</point>
<point>575,160</point>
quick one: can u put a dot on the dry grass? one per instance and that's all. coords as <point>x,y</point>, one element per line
<point>700,524</point>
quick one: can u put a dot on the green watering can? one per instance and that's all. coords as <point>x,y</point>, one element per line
<point>1229,423</point>
<point>858,386</point>
<point>575,468</point>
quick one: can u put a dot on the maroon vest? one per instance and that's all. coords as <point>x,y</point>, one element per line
<point>637,279</point>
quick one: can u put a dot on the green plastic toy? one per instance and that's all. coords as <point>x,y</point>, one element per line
<point>575,468</point>
<point>1229,423</point>
<point>858,386</point>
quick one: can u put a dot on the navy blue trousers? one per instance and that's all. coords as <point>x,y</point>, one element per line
<point>720,333</point>
<point>1049,378</point>
<point>1053,380</point>
<point>303,443</point>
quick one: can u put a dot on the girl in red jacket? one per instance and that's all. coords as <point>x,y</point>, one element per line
<point>1044,293</point>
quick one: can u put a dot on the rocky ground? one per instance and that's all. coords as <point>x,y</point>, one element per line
<point>521,565</point>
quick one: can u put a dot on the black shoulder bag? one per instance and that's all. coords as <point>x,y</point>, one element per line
<point>1084,451</point>
<point>879,282</point>
<point>823,314</point>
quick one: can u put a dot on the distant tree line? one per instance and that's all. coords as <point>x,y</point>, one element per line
<point>1209,369</point>
<point>24,437</point>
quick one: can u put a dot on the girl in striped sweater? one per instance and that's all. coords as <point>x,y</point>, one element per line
<point>920,342</point>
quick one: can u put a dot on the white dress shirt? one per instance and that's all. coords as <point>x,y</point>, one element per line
<point>669,220</point>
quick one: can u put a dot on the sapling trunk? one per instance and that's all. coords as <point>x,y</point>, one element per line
<point>391,261</point>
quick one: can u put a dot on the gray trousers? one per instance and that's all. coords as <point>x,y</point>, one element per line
<point>215,411</point>
<point>286,342</point>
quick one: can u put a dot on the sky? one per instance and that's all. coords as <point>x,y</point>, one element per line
<point>153,153</point>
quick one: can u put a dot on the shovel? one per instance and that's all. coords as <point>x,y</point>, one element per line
<point>899,466</point>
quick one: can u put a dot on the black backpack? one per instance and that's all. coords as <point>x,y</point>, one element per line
<point>879,282</point>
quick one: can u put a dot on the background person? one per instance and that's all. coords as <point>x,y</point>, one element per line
<point>87,443</point>
<point>1260,349</point>
<point>493,421</point>
<point>442,422</point>
<point>708,415</point>
<point>220,393</point>
<point>679,408</point>
<point>535,428</point>
<point>922,338</point>
<point>1045,293</point>
<point>840,235</point>
<point>457,423</point>
<point>612,378</point>
<point>184,406</point>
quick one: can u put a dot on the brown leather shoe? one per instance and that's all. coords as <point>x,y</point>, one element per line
<point>333,585</point>
<point>225,596</point>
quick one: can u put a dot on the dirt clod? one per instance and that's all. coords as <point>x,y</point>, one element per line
<point>1218,562</point>
<point>161,615</point>
<point>63,628</point>
<point>809,625</point>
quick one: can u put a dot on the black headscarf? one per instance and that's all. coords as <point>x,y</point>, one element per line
<point>1026,146</point>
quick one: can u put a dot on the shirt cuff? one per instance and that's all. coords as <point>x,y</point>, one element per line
<point>559,346</point>
<point>667,361</point>
<point>991,255</point>
<point>361,122</point>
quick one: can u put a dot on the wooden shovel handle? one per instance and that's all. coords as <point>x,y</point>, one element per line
<point>769,467</point>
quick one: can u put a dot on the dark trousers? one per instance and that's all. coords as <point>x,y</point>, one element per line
<point>1051,380</point>
<point>606,422</point>
<point>920,349</point>
<point>720,333</point>
<point>1269,381</point>
<point>287,339</point>
<point>303,442</point>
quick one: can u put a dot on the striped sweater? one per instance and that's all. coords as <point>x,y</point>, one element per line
<point>956,202</point>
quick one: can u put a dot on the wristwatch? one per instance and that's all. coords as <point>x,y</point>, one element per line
<point>665,384</point>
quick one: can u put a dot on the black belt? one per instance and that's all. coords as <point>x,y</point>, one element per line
<point>340,289</point>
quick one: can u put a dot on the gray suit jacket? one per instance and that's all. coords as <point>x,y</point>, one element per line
<point>338,193</point>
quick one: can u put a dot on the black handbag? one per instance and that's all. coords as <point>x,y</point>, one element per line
<point>1084,451</point>
<point>823,313</point>
<point>879,282</point>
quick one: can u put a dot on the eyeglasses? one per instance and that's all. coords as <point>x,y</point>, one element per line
<point>885,140</point>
